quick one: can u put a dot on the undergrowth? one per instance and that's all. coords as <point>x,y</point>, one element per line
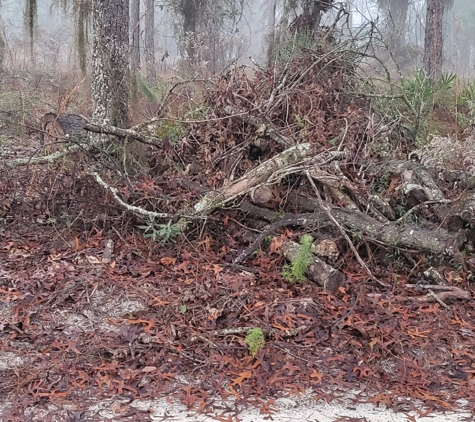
<point>295,271</point>
<point>255,341</point>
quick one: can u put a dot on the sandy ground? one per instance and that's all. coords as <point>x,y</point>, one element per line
<point>302,409</point>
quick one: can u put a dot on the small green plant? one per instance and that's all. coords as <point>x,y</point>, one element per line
<point>300,121</point>
<point>267,241</point>
<point>162,233</point>
<point>295,271</point>
<point>174,131</point>
<point>445,86</point>
<point>380,184</point>
<point>255,341</point>
<point>421,94</point>
<point>418,93</point>
<point>467,99</point>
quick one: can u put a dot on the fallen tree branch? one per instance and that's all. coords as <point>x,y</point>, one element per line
<point>137,210</point>
<point>268,332</point>
<point>253,178</point>
<point>287,220</point>
<point>436,293</point>
<point>327,211</point>
<point>51,158</point>
<point>83,146</point>
<point>438,240</point>
<point>443,292</point>
<point>121,133</point>
<point>293,160</point>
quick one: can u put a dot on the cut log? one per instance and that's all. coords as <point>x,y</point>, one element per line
<point>318,271</point>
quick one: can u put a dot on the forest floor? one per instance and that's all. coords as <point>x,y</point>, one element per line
<point>103,312</point>
<point>93,341</point>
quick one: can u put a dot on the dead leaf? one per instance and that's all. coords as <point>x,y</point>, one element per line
<point>242,376</point>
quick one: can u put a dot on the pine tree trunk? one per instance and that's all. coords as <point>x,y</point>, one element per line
<point>110,63</point>
<point>433,39</point>
<point>150,40</point>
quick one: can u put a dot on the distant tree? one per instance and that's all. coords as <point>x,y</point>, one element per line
<point>150,40</point>
<point>434,40</point>
<point>110,63</point>
<point>134,45</point>
<point>135,36</point>
<point>30,19</point>
<point>208,30</point>
<point>308,22</point>
<point>82,15</point>
<point>192,12</point>
<point>2,49</point>
<point>271,35</point>
<point>396,11</point>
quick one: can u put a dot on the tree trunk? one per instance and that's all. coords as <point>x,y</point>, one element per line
<point>135,36</point>
<point>150,40</point>
<point>271,35</point>
<point>81,18</point>
<point>397,24</point>
<point>191,11</point>
<point>396,11</point>
<point>30,16</point>
<point>110,63</point>
<point>433,38</point>
<point>2,49</point>
<point>308,22</point>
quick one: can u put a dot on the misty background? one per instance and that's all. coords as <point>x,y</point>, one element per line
<point>54,34</point>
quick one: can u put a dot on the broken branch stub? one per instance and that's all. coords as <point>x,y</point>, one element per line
<point>60,126</point>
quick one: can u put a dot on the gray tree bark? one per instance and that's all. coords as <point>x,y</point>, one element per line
<point>308,23</point>
<point>2,49</point>
<point>434,42</point>
<point>81,18</point>
<point>110,63</point>
<point>150,40</point>
<point>135,36</point>
<point>134,46</point>
<point>397,15</point>
<point>191,10</point>
<point>271,35</point>
<point>30,16</point>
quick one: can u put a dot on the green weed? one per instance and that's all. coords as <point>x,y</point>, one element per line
<point>295,271</point>
<point>162,233</point>
<point>255,341</point>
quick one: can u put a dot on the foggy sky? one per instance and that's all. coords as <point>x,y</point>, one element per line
<point>55,27</point>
